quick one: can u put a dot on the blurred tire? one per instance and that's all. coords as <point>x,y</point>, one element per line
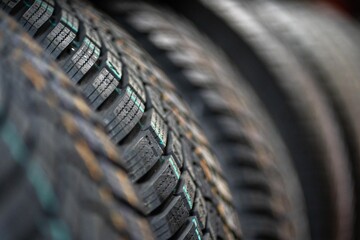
<point>296,102</point>
<point>327,44</point>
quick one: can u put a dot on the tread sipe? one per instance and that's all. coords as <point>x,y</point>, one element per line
<point>175,172</point>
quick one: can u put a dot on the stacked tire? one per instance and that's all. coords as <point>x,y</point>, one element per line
<point>176,119</point>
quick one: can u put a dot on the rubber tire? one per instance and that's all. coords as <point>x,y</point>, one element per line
<point>306,122</point>
<point>330,52</point>
<point>53,154</point>
<point>168,158</point>
<point>262,179</point>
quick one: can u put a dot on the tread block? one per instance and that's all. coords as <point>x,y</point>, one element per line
<point>101,88</point>
<point>192,231</point>
<point>157,126</point>
<point>200,210</point>
<point>141,154</point>
<point>114,65</point>
<point>187,189</point>
<point>30,12</point>
<point>107,41</point>
<point>189,156</point>
<point>201,181</point>
<point>62,35</point>
<point>83,59</point>
<point>70,20</point>
<point>36,16</point>
<point>170,220</point>
<point>212,222</point>
<point>173,124</point>
<point>155,191</point>
<point>174,148</point>
<point>49,11</point>
<point>122,116</point>
<point>220,228</point>
<point>92,34</point>
<point>137,85</point>
<point>154,99</point>
<point>131,66</point>
<point>58,39</point>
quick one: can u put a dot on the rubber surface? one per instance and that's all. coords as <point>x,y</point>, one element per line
<point>168,158</point>
<point>266,190</point>
<point>326,43</point>
<point>307,122</point>
<point>54,152</point>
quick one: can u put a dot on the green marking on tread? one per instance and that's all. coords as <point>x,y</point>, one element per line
<point>27,4</point>
<point>187,195</point>
<point>43,188</point>
<point>53,23</point>
<point>113,69</point>
<point>134,98</point>
<point>50,9</point>
<point>196,228</point>
<point>175,168</point>
<point>69,24</point>
<point>97,52</point>
<point>58,230</point>
<point>89,43</point>
<point>128,89</point>
<point>44,4</point>
<point>159,135</point>
<point>97,66</point>
<point>75,44</point>
<point>118,90</point>
<point>16,147</point>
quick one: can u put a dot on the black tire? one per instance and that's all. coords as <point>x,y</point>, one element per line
<point>307,122</point>
<point>264,184</point>
<point>331,52</point>
<point>153,128</point>
<point>54,153</point>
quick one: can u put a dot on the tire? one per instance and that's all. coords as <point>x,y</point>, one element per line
<point>329,51</point>
<point>307,122</point>
<point>152,127</point>
<point>264,184</point>
<point>54,152</point>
